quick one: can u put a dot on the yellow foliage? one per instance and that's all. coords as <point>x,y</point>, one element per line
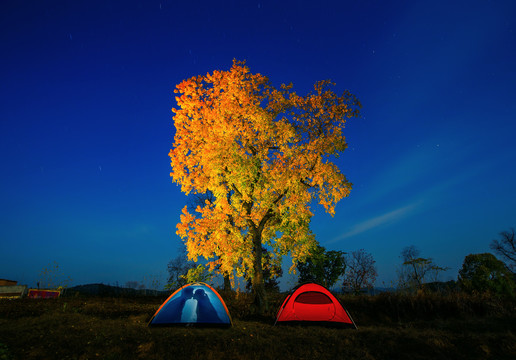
<point>263,153</point>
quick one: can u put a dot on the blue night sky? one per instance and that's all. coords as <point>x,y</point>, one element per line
<point>86,126</point>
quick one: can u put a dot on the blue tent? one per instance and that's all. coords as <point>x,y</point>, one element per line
<point>193,305</point>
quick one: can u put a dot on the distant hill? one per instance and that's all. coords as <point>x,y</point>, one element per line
<point>109,290</point>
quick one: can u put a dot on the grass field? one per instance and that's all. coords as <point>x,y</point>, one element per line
<point>390,327</point>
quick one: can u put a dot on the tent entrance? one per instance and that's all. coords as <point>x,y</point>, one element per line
<point>314,306</point>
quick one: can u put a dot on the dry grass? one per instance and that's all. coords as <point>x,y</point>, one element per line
<point>390,327</point>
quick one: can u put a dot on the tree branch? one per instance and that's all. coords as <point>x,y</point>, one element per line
<point>302,181</point>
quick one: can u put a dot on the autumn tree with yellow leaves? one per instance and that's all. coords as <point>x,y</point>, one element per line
<point>264,153</point>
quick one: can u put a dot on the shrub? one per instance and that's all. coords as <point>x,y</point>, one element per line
<point>485,273</point>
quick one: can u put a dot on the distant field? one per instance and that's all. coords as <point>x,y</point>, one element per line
<point>390,327</point>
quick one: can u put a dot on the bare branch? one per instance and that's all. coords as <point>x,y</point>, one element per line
<point>506,247</point>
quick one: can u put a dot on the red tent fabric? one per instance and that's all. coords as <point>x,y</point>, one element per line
<point>313,304</point>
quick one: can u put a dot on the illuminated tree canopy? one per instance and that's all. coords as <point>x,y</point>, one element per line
<point>264,153</point>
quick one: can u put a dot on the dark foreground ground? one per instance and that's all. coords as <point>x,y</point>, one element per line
<point>390,327</point>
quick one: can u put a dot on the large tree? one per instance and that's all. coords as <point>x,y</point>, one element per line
<point>265,154</point>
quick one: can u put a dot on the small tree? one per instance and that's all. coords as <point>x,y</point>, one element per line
<point>360,271</point>
<point>178,269</point>
<point>485,273</point>
<point>506,247</point>
<point>182,271</point>
<point>51,277</point>
<point>415,270</point>
<point>323,267</point>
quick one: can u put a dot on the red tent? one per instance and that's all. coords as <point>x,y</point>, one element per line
<point>313,304</point>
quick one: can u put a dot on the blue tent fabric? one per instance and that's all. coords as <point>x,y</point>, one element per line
<point>193,305</point>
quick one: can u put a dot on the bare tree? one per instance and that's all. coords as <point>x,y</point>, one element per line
<point>416,270</point>
<point>177,270</point>
<point>51,277</point>
<point>417,266</point>
<point>409,253</point>
<point>506,247</point>
<point>361,271</point>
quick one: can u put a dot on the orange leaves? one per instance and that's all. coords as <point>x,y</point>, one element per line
<point>263,152</point>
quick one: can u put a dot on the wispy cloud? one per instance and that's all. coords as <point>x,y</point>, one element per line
<point>389,217</point>
<point>414,166</point>
<point>424,199</point>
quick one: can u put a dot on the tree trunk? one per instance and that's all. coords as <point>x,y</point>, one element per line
<point>260,297</point>
<point>227,282</point>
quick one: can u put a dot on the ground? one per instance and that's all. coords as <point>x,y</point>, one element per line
<point>390,327</point>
